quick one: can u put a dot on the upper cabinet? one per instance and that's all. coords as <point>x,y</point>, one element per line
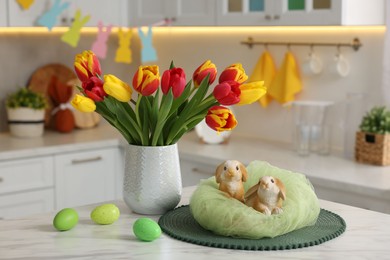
<point>109,12</point>
<point>300,12</point>
<point>3,13</point>
<point>202,12</point>
<point>181,12</point>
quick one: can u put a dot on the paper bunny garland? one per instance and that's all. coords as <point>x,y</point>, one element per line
<point>99,47</point>
<point>49,19</point>
<point>25,4</point>
<point>72,36</point>
<point>123,53</point>
<point>148,53</point>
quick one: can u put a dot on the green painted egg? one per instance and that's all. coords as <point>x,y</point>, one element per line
<point>65,219</point>
<point>105,214</point>
<point>146,229</point>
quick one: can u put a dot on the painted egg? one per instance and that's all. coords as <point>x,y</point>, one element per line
<point>105,214</point>
<point>65,219</point>
<point>146,229</point>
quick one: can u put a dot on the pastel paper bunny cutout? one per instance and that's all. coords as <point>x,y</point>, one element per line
<point>25,4</point>
<point>72,36</point>
<point>49,18</point>
<point>148,53</point>
<point>123,53</point>
<point>99,47</point>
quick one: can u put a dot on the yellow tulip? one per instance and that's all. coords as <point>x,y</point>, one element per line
<point>251,92</point>
<point>83,104</point>
<point>116,88</point>
<point>234,72</point>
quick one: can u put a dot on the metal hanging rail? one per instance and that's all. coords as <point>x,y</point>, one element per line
<point>355,44</point>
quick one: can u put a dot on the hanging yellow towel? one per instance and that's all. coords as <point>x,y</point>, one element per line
<point>287,81</point>
<point>264,70</point>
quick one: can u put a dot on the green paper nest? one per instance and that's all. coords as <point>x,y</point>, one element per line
<point>229,217</point>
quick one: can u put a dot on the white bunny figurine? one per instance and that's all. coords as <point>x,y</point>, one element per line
<point>266,196</point>
<point>230,175</point>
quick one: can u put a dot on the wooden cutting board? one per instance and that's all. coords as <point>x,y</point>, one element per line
<point>40,81</point>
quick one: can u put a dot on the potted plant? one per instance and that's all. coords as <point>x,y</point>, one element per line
<point>373,140</point>
<point>26,113</point>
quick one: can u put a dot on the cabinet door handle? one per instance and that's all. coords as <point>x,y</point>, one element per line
<point>1,179</point>
<point>201,171</point>
<point>93,159</point>
<point>268,17</point>
<point>276,17</point>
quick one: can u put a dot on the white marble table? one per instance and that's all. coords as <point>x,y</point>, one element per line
<point>367,237</point>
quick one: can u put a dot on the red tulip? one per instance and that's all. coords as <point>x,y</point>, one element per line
<point>234,72</point>
<point>93,88</point>
<point>87,65</point>
<point>202,71</point>
<point>146,80</point>
<point>227,93</point>
<point>174,78</point>
<point>220,119</point>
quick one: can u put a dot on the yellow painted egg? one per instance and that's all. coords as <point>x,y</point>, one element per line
<point>65,219</point>
<point>105,214</point>
<point>146,229</point>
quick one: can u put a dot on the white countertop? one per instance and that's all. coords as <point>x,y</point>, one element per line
<point>331,172</point>
<point>367,237</point>
<point>54,142</point>
<point>325,172</point>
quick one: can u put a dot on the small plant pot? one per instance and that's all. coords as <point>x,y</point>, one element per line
<point>26,122</point>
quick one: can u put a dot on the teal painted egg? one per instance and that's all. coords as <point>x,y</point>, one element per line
<point>146,229</point>
<point>65,219</point>
<point>105,214</point>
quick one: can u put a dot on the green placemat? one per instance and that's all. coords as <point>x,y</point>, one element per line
<point>180,224</point>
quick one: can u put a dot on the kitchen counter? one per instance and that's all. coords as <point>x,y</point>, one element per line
<point>54,142</point>
<point>367,237</point>
<point>335,178</point>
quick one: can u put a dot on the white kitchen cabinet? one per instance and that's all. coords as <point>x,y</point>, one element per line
<point>183,12</point>
<point>22,204</point>
<point>300,12</point>
<point>193,171</point>
<point>86,177</point>
<point>3,14</point>
<point>109,12</point>
<point>26,186</point>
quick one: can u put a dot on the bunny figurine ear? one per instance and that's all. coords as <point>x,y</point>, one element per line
<point>218,172</point>
<point>282,189</point>
<point>243,172</point>
<point>252,191</point>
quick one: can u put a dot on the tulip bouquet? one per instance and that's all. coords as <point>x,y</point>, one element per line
<point>166,107</point>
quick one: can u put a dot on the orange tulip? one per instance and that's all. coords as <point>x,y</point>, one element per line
<point>146,80</point>
<point>87,65</point>
<point>220,119</point>
<point>202,71</point>
<point>234,72</point>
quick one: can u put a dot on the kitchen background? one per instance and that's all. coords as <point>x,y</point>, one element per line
<point>23,51</point>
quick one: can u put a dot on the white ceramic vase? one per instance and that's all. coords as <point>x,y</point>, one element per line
<point>26,122</point>
<point>152,179</point>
